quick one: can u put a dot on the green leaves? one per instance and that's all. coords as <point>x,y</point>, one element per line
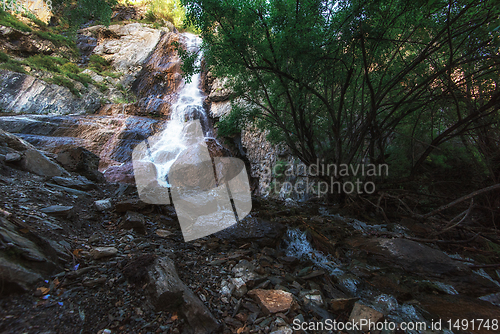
<point>337,80</point>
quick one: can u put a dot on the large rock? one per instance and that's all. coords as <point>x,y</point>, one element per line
<point>82,161</point>
<point>410,255</point>
<point>8,140</point>
<point>169,293</point>
<point>22,93</point>
<point>36,162</point>
<point>254,229</point>
<point>126,46</point>
<point>23,262</point>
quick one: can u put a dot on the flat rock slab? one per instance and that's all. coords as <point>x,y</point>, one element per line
<point>272,301</point>
<point>57,210</point>
<point>169,293</point>
<point>76,183</point>
<point>410,255</point>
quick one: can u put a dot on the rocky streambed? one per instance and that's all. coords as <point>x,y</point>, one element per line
<point>79,255</point>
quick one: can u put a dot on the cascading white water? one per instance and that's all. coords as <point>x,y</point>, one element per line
<point>170,143</point>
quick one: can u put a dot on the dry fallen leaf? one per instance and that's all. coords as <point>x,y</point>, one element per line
<point>43,290</point>
<point>76,252</point>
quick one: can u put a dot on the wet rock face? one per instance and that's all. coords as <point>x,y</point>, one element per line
<point>22,93</point>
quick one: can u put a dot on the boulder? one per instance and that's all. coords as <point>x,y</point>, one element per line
<point>37,162</point>
<point>82,161</point>
<point>254,229</point>
<point>169,293</point>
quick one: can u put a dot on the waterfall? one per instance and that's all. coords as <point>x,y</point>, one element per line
<point>165,147</point>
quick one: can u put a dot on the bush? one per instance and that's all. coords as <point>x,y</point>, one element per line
<point>3,57</point>
<point>70,68</point>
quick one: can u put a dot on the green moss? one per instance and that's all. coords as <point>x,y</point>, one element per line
<point>8,20</point>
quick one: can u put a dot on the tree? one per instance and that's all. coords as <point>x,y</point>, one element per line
<point>343,80</point>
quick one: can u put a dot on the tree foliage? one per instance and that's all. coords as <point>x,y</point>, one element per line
<point>346,81</point>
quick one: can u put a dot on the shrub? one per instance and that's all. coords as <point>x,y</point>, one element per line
<point>47,63</point>
<point>98,63</point>
<point>3,57</point>
<point>70,68</point>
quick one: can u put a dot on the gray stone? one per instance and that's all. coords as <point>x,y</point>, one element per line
<point>12,157</point>
<point>81,161</point>
<point>410,255</point>
<point>100,252</point>
<point>169,293</point>
<point>68,190</point>
<point>103,204</point>
<point>36,162</point>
